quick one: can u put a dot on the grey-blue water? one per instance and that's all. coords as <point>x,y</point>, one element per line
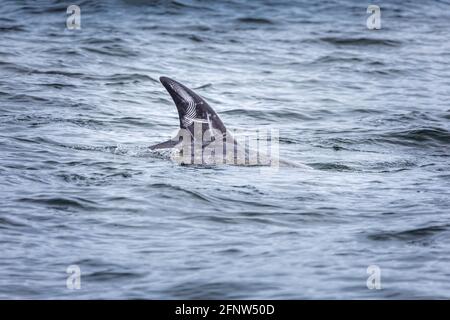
<point>368,110</point>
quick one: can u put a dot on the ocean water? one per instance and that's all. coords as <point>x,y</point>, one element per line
<point>368,110</point>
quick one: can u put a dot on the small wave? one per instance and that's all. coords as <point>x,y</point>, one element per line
<point>337,59</point>
<point>112,50</point>
<point>98,179</point>
<point>203,86</point>
<point>394,166</point>
<point>289,140</point>
<point>195,38</point>
<point>57,72</point>
<point>120,79</point>
<point>26,98</point>
<point>178,4</point>
<point>194,194</point>
<point>6,223</point>
<point>62,203</point>
<point>57,85</point>
<point>251,20</point>
<point>331,166</point>
<point>387,71</point>
<point>360,41</point>
<point>412,235</point>
<point>100,41</point>
<point>63,51</point>
<point>112,275</point>
<point>5,54</point>
<point>423,136</point>
<point>16,28</point>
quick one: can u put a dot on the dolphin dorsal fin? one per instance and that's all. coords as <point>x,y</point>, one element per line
<point>192,108</point>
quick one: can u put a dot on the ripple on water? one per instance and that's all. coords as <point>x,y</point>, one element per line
<point>361,41</point>
<point>422,236</point>
<point>71,203</point>
<point>423,137</point>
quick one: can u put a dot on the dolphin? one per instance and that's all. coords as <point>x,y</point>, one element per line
<point>203,137</point>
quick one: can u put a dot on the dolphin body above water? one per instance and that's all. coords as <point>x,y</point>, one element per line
<point>204,139</point>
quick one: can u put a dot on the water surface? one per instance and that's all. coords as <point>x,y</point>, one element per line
<point>368,110</point>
